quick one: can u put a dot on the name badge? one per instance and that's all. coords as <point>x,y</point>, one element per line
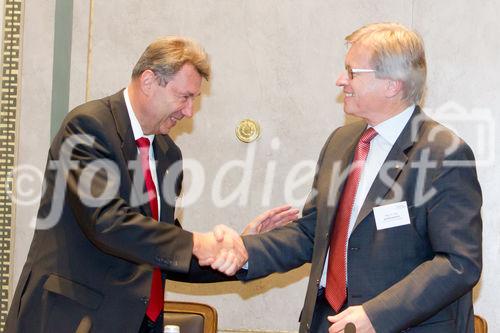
<point>392,215</point>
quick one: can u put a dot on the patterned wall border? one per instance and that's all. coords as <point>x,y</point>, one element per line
<point>11,49</point>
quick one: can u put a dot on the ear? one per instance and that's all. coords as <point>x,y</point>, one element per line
<point>147,81</point>
<point>393,88</point>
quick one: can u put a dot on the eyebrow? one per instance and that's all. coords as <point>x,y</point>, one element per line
<point>189,94</point>
<point>186,93</point>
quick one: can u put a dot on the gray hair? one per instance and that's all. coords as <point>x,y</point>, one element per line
<point>397,53</point>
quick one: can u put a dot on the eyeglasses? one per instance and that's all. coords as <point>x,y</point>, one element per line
<point>351,71</point>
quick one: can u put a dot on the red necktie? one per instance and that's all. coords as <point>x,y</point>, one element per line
<point>335,291</point>
<point>155,305</point>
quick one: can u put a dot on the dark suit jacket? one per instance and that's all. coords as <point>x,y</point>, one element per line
<point>415,277</point>
<point>94,260</point>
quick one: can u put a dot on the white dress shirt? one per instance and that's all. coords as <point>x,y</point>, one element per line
<point>380,146</point>
<point>138,133</point>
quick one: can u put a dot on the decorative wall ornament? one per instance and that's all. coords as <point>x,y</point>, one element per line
<point>247,130</point>
<point>11,49</point>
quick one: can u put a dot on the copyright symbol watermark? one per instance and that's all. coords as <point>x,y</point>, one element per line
<point>22,185</point>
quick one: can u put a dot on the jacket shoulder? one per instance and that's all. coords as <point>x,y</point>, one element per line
<point>440,138</point>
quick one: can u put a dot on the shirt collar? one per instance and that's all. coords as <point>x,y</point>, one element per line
<point>390,129</point>
<point>136,126</point>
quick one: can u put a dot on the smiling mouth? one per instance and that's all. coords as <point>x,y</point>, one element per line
<point>349,94</point>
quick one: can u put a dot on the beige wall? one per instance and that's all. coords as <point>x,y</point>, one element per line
<point>276,62</point>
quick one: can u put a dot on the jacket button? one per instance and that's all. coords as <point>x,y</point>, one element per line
<point>145,300</point>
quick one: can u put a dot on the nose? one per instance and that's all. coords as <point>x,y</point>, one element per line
<point>342,80</point>
<point>187,111</point>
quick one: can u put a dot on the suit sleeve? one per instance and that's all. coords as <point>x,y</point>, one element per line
<point>280,250</point>
<point>200,274</point>
<point>110,222</point>
<point>288,247</point>
<point>454,230</point>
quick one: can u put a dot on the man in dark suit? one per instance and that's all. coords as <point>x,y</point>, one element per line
<point>392,226</point>
<point>99,256</point>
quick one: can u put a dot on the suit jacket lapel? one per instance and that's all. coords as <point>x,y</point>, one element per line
<point>160,147</point>
<point>123,126</point>
<point>128,146</point>
<point>394,164</point>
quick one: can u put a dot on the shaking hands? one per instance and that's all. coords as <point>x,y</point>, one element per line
<point>223,248</point>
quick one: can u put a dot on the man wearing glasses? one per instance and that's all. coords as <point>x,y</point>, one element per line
<point>393,226</point>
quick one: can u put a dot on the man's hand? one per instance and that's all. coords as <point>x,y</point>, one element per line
<point>233,254</point>
<point>355,315</point>
<point>271,219</point>
<point>222,249</point>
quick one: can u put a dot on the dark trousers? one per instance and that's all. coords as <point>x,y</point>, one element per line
<point>149,326</point>
<point>322,310</point>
